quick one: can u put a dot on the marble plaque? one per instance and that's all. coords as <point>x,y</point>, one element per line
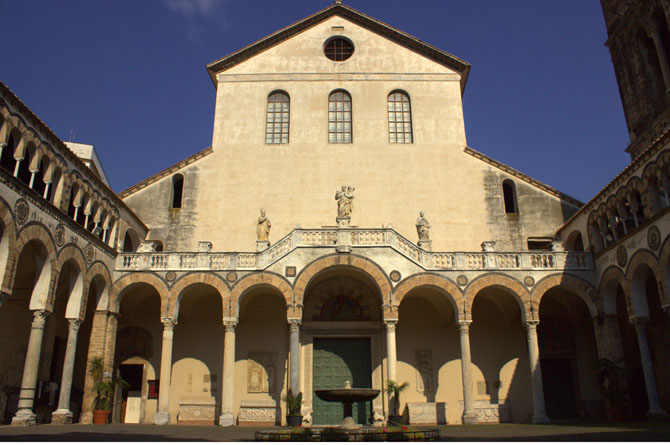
<point>133,408</point>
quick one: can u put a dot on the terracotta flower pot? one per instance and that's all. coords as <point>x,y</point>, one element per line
<point>100,417</point>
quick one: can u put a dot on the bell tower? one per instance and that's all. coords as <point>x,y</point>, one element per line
<point>639,43</point>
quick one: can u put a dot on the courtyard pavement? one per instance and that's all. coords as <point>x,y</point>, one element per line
<point>585,432</point>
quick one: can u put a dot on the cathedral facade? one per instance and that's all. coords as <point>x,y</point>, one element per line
<point>338,228</point>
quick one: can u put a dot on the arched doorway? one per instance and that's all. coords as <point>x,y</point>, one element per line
<point>568,357</point>
<point>138,354</point>
<point>342,333</point>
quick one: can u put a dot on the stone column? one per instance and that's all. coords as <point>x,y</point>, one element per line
<point>655,411</point>
<point>660,53</point>
<point>470,417</point>
<point>391,357</point>
<point>227,418</point>
<point>63,415</point>
<point>162,416</point>
<point>539,412</point>
<point>25,415</point>
<point>294,347</point>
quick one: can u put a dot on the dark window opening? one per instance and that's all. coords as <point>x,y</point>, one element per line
<point>338,49</point>
<point>509,195</point>
<point>177,191</point>
<point>71,208</point>
<point>24,173</point>
<point>7,160</point>
<point>539,243</point>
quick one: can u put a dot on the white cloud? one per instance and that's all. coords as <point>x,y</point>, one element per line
<point>195,8</point>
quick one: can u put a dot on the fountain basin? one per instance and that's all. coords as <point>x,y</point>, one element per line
<point>347,395</point>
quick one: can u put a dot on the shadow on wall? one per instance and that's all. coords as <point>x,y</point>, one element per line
<point>498,349</point>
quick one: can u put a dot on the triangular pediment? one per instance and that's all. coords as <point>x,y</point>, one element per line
<point>398,37</point>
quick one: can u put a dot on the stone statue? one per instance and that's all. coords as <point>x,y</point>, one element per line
<point>345,201</point>
<point>263,227</point>
<point>423,227</point>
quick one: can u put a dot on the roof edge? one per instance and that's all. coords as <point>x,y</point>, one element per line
<point>165,172</point>
<point>512,171</point>
<point>399,37</point>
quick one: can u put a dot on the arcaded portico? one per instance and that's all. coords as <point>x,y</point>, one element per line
<point>338,228</point>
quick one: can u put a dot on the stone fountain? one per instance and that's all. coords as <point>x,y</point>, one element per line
<point>347,396</point>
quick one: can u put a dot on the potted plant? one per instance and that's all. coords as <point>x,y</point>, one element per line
<point>104,389</point>
<point>293,409</point>
<point>614,380</point>
<point>394,389</point>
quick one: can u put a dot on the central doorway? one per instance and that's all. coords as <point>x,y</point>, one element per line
<point>335,361</point>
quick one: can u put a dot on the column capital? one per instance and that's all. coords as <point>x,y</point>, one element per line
<point>390,324</point>
<point>230,325</point>
<point>74,323</point>
<point>39,318</point>
<point>169,323</point>
<point>294,324</point>
<point>463,325</point>
<point>531,325</point>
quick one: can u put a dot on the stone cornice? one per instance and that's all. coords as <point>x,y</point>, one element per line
<point>61,148</point>
<point>163,173</point>
<point>53,211</point>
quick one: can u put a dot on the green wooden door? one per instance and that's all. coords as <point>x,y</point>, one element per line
<point>337,360</point>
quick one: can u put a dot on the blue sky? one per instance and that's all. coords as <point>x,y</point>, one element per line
<point>129,77</point>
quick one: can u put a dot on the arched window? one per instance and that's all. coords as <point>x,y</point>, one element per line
<point>509,195</point>
<point>177,191</point>
<point>278,116</point>
<point>7,160</point>
<point>339,117</point>
<point>400,118</point>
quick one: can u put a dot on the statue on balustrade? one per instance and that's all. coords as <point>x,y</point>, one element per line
<point>423,227</point>
<point>263,227</point>
<point>345,201</point>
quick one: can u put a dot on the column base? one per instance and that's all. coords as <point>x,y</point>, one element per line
<point>86,418</point>
<point>161,418</point>
<point>24,417</point>
<point>470,419</point>
<point>657,416</point>
<point>226,420</point>
<point>61,417</point>
<point>541,419</point>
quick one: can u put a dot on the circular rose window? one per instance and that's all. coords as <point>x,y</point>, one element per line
<point>338,49</point>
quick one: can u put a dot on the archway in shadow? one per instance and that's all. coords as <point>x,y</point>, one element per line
<point>647,305</point>
<point>568,357</point>
<point>139,337</point>
<point>500,371</point>
<point>197,351</point>
<point>261,350</point>
<point>428,351</point>
<point>15,321</point>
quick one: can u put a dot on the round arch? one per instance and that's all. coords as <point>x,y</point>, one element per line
<point>8,250</point>
<point>579,287</point>
<point>612,277</point>
<point>98,272</point>
<point>43,293</point>
<point>127,281</point>
<point>185,282</point>
<point>367,267</point>
<point>518,291</point>
<point>664,270</point>
<point>442,284</point>
<point>249,282</point>
<point>634,290</point>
